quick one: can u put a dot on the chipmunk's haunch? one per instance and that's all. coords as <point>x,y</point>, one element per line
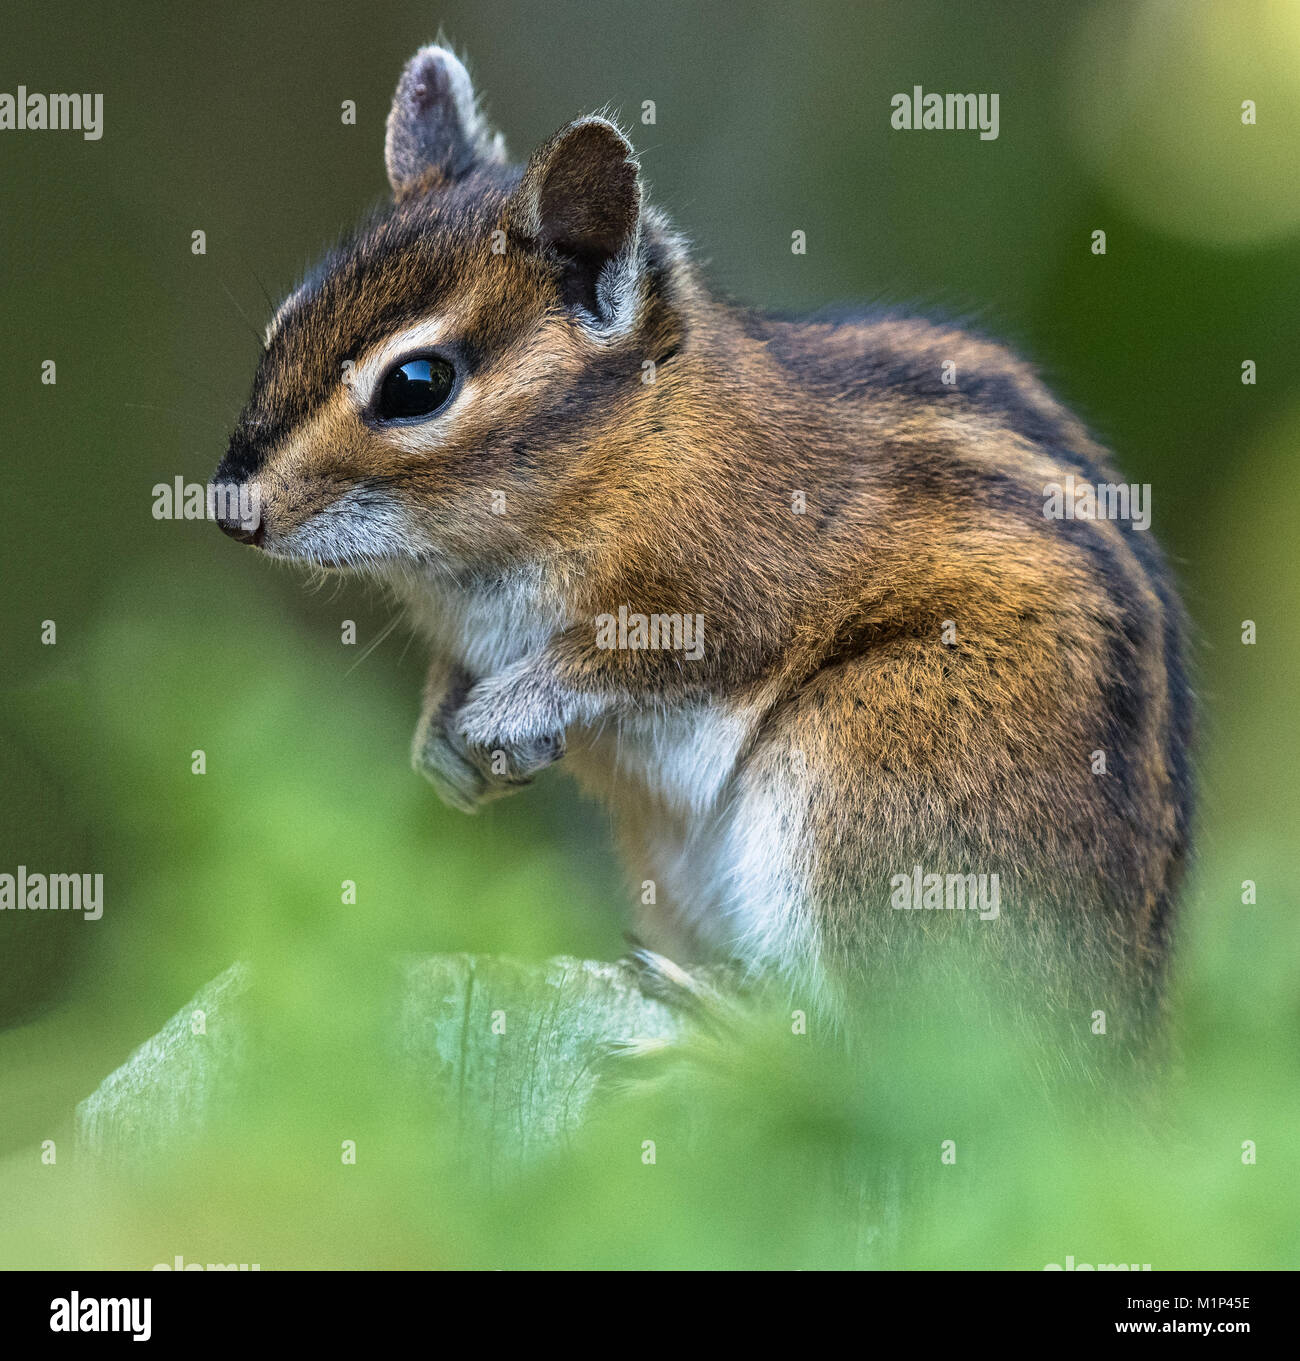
<point>512,396</point>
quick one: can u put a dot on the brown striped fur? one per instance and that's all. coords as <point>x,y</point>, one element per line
<point>828,738</point>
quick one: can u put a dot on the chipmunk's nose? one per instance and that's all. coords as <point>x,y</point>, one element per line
<point>237,509</point>
<point>242,533</point>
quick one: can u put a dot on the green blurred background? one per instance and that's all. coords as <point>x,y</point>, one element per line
<point>769,118</point>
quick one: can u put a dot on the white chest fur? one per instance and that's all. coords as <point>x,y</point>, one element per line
<point>683,757</point>
<point>485,626</point>
<point>716,831</point>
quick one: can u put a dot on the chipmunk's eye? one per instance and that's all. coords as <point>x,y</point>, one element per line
<point>414,388</point>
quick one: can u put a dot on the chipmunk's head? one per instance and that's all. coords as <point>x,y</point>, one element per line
<point>430,394</point>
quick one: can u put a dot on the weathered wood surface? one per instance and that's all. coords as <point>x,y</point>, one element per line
<point>520,1091</point>
<point>166,1091</point>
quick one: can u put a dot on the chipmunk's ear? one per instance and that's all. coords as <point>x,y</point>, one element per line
<point>580,198</point>
<point>435,130</point>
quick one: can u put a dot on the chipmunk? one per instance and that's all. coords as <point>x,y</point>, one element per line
<point>785,600</point>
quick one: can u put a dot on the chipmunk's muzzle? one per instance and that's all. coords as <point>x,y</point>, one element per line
<point>234,493</point>
<point>239,530</point>
<point>237,509</point>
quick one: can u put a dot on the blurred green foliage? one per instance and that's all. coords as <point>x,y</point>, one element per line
<point>768,118</point>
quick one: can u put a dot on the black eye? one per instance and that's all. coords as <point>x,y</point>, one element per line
<point>416,387</point>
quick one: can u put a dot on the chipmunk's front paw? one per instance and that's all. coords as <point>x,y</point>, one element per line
<point>440,754</point>
<point>509,728</point>
<point>457,781</point>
